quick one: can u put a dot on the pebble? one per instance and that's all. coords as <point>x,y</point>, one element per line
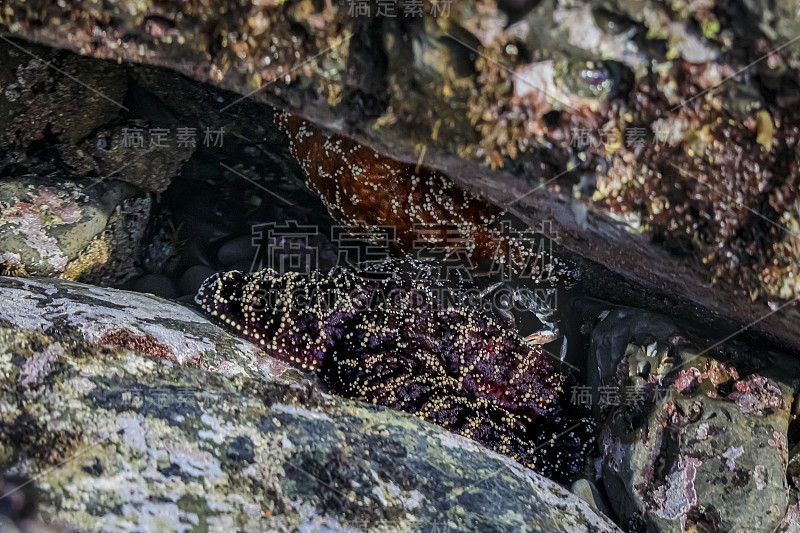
<point>586,491</point>
<point>238,249</point>
<point>195,252</point>
<point>193,277</point>
<point>157,284</point>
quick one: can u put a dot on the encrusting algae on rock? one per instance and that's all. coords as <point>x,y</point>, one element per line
<point>226,439</point>
<point>395,343</point>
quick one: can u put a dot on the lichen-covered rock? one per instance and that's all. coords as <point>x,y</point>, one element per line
<point>76,231</point>
<point>133,321</point>
<point>687,442</point>
<point>791,524</point>
<point>123,437</point>
<point>114,255</point>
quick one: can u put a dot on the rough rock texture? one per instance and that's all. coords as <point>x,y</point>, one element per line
<point>76,231</point>
<point>687,442</point>
<point>125,437</point>
<point>53,123</point>
<point>109,139</point>
<point>628,102</point>
<point>19,508</point>
<point>791,524</point>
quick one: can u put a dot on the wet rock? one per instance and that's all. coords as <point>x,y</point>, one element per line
<point>139,322</point>
<point>48,226</point>
<point>162,244</point>
<point>40,105</point>
<point>87,231</point>
<point>242,266</point>
<point>52,121</point>
<point>587,491</point>
<point>11,265</point>
<point>227,441</point>
<point>687,443</point>
<point>114,255</point>
<point>143,154</point>
<point>610,340</point>
<point>19,499</point>
<point>236,250</point>
<point>19,502</point>
<point>157,284</point>
<point>196,251</point>
<point>193,277</point>
<point>28,526</point>
<point>666,80</point>
<point>791,524</point>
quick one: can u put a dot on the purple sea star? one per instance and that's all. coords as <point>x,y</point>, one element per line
<point>391,343</point>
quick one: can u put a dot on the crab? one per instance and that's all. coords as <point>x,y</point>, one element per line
<point>533,302</point>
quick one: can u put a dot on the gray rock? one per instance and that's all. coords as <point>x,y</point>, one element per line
<point>587,491</point>
<point>687,443</point>
<point>242,266</point>
<point>399,84</point>
<point>59,228</point>
<point>149,166</point>
<point>157,284</point>
<point>610,339</point>
<point>191,279</point>
<point>27,526</point>
<point>38,102</point>
<point>41,103</point>
<point>791,524</point>
<point>122,436</point>
<point>236,250</point>
<point>196,252</point>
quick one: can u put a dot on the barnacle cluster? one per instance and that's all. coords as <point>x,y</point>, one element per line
<point>246,44</point>
<point>704,158</point>
<point>389,339</point>
<point>715,193</point>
